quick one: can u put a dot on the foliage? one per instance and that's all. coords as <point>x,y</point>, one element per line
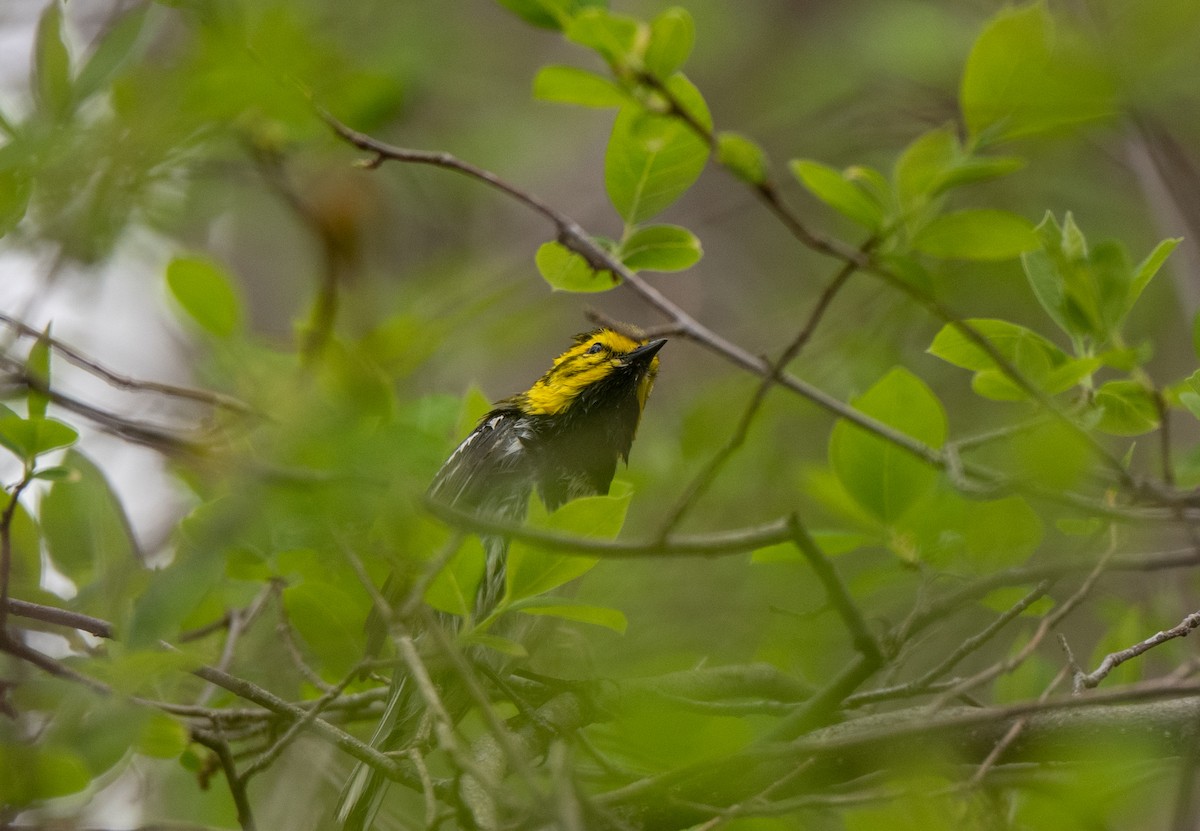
<point>889,608</point>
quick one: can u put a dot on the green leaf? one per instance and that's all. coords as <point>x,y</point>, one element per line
<point>162,736</point>
<point>1149,267</point>
<point>29,438</point>
<point>1010,339</point>
<point>653,159</point>
<point>1127,409</point>
<point>505,646</point>
<point>660,248</point>
<point>51,65</point>
<point>85,528</point>
<point>614,37</point>
<point>935,162</point>
<point>532,571</point>
<point>112,52</point>
<point>568,608</point>
<point>205,291</point>
<point>839,192</point>
<point>1023,78</point>
<point>34,774</point>
<point>453,589</point>
<point>570,85</point>
<point>1037,359</point>
<point>884,479</point>
<point>15,190</point>
<point>173,594</point>
<point>37,365</point>
<point>984,234</point>
<point>565,270</point>
<point>742,157</point>
<point>25,574</point>
<point>672,36</point>
<point>549,14</point>
<point>331,622</point>
<point>1001,534</point>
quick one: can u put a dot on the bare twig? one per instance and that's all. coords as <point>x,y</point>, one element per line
<point>237,783</point>
<point>125,382</point>
<point>1113,660</point>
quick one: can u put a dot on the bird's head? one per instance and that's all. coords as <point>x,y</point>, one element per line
<point>602,365</point>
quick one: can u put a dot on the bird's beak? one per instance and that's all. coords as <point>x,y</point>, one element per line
<point>643,354</point>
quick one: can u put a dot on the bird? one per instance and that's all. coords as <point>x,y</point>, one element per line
<point>561,439</point>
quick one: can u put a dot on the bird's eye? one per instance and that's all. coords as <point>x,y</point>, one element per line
<point>594,348</point>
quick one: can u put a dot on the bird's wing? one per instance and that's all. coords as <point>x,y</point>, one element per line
<point>491,471</point>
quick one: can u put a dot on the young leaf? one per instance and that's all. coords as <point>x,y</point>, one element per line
<point>742,157</point>
<point>570,85</point>
<point>549,14</point>
<point>653,159</point>
<point>1148,267</point>
<point>52,64</point>
<point>205,291</point>
<point>38,367</point>
<point>884,479</point>
<point>976,235</point>
<point>1023,78</point>
<point>565,270</point>
<point>29,438</point>
<point>453,589</point>
<point>568,608</point>
<point>532,571</point>
<point>837,191</point>
<point>672,36</point>
<point>84,524</point>
<point>15,190</point>
<point>1128,409</point>
<point>114,49</point>
<point>615,37</point>
<point>661,248</point>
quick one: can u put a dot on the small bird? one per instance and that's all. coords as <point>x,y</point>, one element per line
<point>562,437</point>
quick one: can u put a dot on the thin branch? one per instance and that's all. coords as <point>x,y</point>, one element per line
<point>708,474</point>
<point>61,617</point>
<point>1113,660</point>
<point>970,645</point>
<point>237,783</point>
<point>1014,731</point>
<point>125,382</point>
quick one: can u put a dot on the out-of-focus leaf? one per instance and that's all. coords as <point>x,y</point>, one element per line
<point>661,248</point>
<point>172,595</point>
<point>1128,408</point>
<point>29,438</point>
<point>162,736</point>
<point>453,589</point>
<point>113,50</point>
<point>672,36</point>
<point>653,159</point>
<point>613,36</point>
<point>549,14</point>
<point>205,291</point>
<point>983,234</point>
<point>1148,267</point>
<point>505,646</point>
<point>569,608</point>
<point>52,64</point>
<point>565,270</point>
<point>570,85</point>
<point>330,621</point>
<point>15,190</point>
<point>32,774</point>
<point>839,192</point>
<point>38,367</point>
<point>742,157</point>
<point>1022,77</point>
<point>883,478</point>
<point>85,528</point>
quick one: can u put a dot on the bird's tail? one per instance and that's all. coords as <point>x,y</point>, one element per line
<point>366,787</point>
